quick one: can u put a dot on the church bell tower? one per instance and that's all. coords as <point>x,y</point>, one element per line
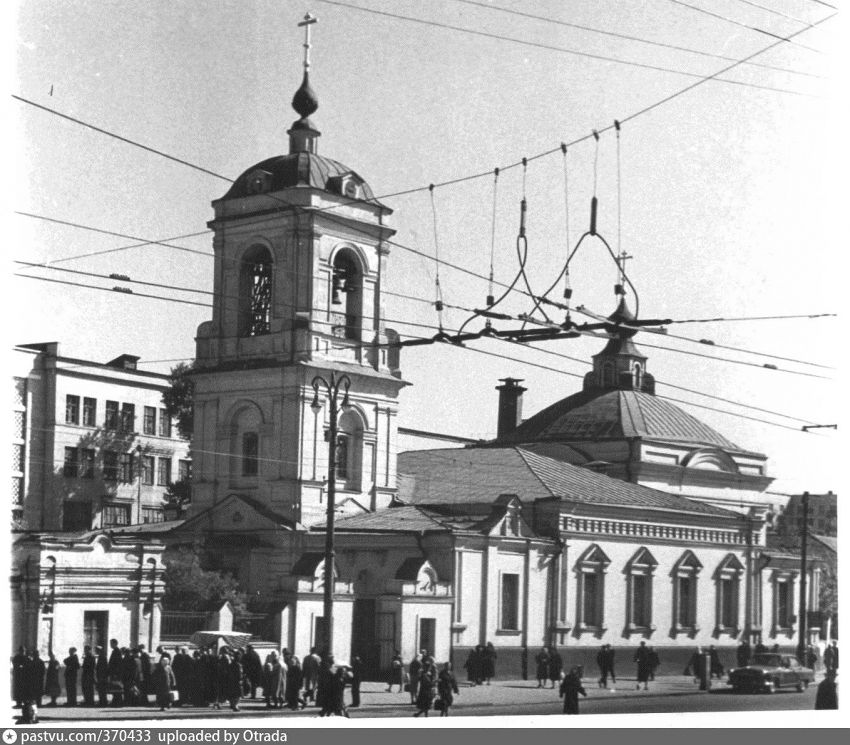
<point>301,252</point>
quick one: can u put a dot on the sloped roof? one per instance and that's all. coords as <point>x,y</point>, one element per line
<point>406,519</point>
<point>480,475</point>
<point>595,414</point>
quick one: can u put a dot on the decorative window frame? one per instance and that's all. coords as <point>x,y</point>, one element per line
<point>592,561</point>
<point>729,570</point>
<point>642,564</point>
<point>687,567</point>
<point>779,577</point>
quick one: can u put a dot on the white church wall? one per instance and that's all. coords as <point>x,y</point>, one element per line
<point>469,591</point>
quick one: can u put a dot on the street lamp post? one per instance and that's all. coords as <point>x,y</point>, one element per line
<point>333,388</point>
<point>802,623</point>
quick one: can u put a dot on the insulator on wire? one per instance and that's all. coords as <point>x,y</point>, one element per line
<point>439,305</point>
<point>618,289</point>
<point>593,204</point>
<point>490,300</point>
<point>522,208</point>
<point>568,293</point>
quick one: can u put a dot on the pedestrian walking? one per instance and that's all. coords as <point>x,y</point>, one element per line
<point>325,686</point>
<point>163,682</point>
<point>696,665</point>
<point>233,686</point>
<point>341,677</point>
<point>556,666</point>
<point>89,676</point>
<point>51,679</point>
<point>570,689</point>
<point>644,666</point>
<point>396,676</point>
<point>811,657</point>
<point>542,667</point>
<point>294,683</point>
<point>609,660</point>
<point>602,664</point>
<point>19,667</point>
<point>101,675</point>
<point>182,666</point>
<point>743,653</point>
<point>72,668</point>
<point>760,648</point>
<point>311,666</point>
<point>446,689</point>
<point>830,657</point>
<point>145,686</point>
<point>489,662</point>
<point>356,679</point>
<point>114,674</point>
<point>715,666</point>
<point>275,693</point>
<point>413,671</point>
<point>473,665</point>
<point>427,690</point>
<point>827,695</point>
<point>37,670</point>
<point>253,669</point>
<point>131,676</point>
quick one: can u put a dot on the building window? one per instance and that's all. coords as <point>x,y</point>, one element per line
<point>149,423</point>
<point>346,291</point>
<point>116,514</point>
<point>71,468</point>
<point>342,457</point>
<point>18,426</point>
<point>685,574</point>
<point>18,457</point>
<point>639,573</point>
<point>509,619</point>
<point>250,453</point>
<point>184,470</point>
<point>783,602</point>
<point>95,624</point>
<point>163,471</point>
<point>76,516</point>
<point>111,421</point>
<point>147,469</point>
<point>152,515</point>
<point>125,463</point>
<point>164,423</point>
<point>128,417</point>
<point>110,465</point>
<point>90,412</point>
<point>72,409</point>
<point>87,463</point>
<point>349,452</point>
<point>590,570</point>
<point>728,580</point>
<point>17,490</point>
<point>638,376</point>
<point>255,292</point>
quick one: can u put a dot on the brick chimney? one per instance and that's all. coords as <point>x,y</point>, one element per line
<point>510,405</point>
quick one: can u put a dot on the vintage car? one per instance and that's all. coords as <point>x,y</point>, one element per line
<point>767,672</point>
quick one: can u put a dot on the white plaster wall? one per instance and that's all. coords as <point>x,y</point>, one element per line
<point>469,592</point>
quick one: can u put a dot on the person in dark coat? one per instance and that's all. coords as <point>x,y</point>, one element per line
<point>182,667</point>
<point>310,667</point>
<point>743,653</point>
<point>696,665</point>
<point>72,668</point>
<point>556,665</point>
<point>570,688</point>
<point>233,691</point>
<point>446,688</point>
<point>277,680</point>
<point>760,647</point>
<point>715,665</point>
<point>602,664</point>
<point>830,657</point>
<point>325,686</point>
<point>337,699</point>
<point>644,666</point>
<point>131,669</point>
<point>811,657</point>
<point>89,677</point>
<point>356,680</point>
<point>209,672</point>
<point>163,682</point>
<point>542,667</point>
<point>294,684</point>
<point>427,690</point>
<point>101,675</point>
<point>147,669</point>
<point>396,676</point>
<point>51,678</point>
<point>115,677</point>
<point>36,677</point>
<point>488,666</point>
<point>827,695</point>
<point>413,672</point>
<point>253,669</point>
<point>19,667</point>
<point>609,655</point>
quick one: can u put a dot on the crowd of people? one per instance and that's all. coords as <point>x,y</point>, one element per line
<point>207,677</point>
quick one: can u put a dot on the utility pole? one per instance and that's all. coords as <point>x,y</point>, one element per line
<point>803,626</point>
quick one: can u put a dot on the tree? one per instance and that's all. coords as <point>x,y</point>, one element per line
<point>178,398</point>
<point>190,587</point>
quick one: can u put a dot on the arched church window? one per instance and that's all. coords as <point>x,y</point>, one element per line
<point>608,374</point>
<point>638,376</point>
<point>349,450</point>
<point>250,453</point>
<point>685,576</point>
<point>728,581</point>
<point>255,292</point>
<point>639,575</point>
<point>347,292</point>
<point>590,598</point>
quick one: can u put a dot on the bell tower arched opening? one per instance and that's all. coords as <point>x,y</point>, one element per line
<point>255,292</point>
<point>347,293</point>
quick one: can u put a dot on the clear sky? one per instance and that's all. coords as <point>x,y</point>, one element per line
<point>728,198</point>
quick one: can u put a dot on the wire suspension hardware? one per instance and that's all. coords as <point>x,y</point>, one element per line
<point>490,297</point>
<point>438,303</point>
<point>568,292</point>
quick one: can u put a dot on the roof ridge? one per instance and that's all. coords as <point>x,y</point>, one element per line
<point>522,452</point>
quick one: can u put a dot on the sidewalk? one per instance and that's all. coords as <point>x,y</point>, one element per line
<point>375,696</point>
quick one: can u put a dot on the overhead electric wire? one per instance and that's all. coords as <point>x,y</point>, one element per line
<point>756,318</point>
<point>551,48</point>
<point>627,37</point>
<point>460,179</point>
<point>773,11</point>
<point>747,26</point>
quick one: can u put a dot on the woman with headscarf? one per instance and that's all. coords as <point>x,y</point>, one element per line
<point>570,688</point>
<point>426,691</point>
<point>163,682</point>
<point>294,683</point>
<point>446,688</point>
